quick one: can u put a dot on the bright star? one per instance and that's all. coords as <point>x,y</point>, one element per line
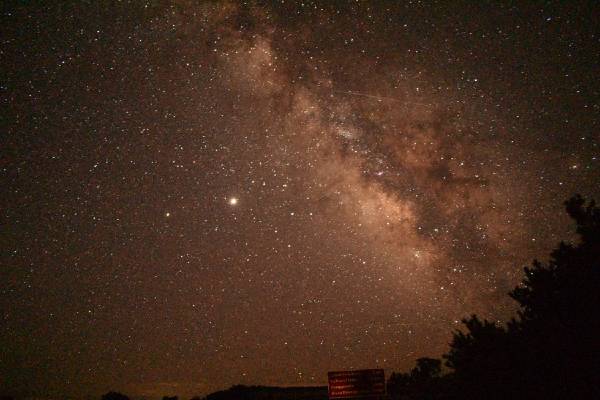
<point>233,201</point>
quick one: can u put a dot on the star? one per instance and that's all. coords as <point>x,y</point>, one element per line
<point>262,169</point>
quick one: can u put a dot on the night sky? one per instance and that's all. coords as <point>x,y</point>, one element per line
<point>196,195</point>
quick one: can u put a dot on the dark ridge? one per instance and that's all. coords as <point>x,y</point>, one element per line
<point>241,392</point>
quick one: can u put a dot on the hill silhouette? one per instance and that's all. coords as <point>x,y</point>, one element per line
<point>241,392</point>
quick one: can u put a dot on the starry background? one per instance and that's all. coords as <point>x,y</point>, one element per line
<point>196,195</point>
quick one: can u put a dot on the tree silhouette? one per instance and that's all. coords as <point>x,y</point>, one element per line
<point>427,368</point>
<point>550,351</point>
<point>553,349</point>
<point>564,291</point>
<point>483,360</point>
<point>559,320</point>
<point>398,385</point>
<point>421,382</point>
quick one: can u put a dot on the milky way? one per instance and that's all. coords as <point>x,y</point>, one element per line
<point>200,195</point>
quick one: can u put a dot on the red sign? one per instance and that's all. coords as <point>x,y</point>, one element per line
<point>361,383</point>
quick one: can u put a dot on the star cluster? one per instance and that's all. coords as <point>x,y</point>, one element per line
<point>200,195</point>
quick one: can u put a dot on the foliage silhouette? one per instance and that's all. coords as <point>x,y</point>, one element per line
<point>421,382</point>
<point>550,351</point>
